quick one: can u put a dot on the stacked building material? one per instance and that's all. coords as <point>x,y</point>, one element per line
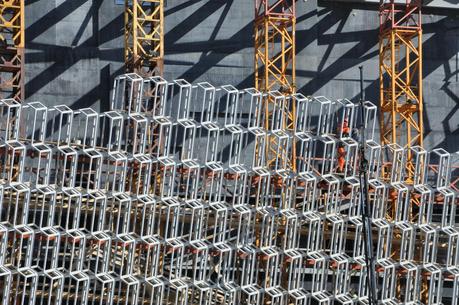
<point>168,199</point>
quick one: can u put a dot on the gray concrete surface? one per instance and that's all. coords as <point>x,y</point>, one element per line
<point>75,49</point>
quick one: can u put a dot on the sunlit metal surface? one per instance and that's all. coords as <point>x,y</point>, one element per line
<point>95,208</point>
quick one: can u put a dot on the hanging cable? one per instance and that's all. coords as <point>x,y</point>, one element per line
<point>365,210</point>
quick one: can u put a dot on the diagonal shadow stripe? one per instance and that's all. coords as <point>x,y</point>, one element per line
<point>51,18</point>
<point>180,7</point>
<point>192,21</point>
<point>74,54</point>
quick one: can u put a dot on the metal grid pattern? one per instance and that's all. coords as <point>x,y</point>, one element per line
<point>96,208</point>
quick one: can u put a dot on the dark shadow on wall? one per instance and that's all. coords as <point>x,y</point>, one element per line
<point>63,57</point>
<point>433,60</point>
<point>436,34</point>
<point>213,50</point>
<point>364,47</point>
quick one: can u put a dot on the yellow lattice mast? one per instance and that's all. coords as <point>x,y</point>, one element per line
<point>12,49</point>
<point>401,100</point>
<point>400,58</point>
<point>275,65</point>
<point>144,33</point>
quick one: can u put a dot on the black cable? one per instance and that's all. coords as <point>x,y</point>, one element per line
<point>364,208</point>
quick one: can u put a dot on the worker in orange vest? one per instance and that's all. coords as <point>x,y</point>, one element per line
<point>344,130</point>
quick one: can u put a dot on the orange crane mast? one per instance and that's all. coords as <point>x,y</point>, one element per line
<point>400,67</point>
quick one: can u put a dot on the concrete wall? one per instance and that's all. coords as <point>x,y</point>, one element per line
<point>75,49</point>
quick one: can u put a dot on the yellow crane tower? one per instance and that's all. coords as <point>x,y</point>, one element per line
<point>12,49</point>
<point>143,36</point>
<point>275,65</point>
<point>400,62</point>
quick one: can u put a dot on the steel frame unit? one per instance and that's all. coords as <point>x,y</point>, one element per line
<point>144,36</point>
<point>92,215</point>
<point>400,62</point>
<point>12,49</point>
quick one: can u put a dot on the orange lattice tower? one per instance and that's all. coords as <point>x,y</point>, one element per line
<point>275,67</point>
<point>12,49</point>
<point>400,60</point>
<point>144,36</point>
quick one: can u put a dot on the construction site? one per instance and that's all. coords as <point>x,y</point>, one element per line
<point>226,152</point>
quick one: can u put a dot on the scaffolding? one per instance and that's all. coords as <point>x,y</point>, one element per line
<point>12,49</point>
<point>91,212</point>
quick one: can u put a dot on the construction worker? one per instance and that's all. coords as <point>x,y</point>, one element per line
<point>341,158</point>
<point>344,130</point>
